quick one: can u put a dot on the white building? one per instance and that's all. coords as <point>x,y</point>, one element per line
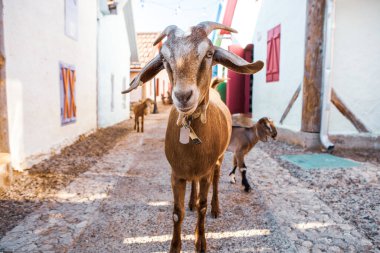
<point>116,41</point>
<point>51,69</point>
<point>353,58</point>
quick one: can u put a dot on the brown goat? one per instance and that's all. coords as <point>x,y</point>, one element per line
<point>243,139</point>
<point>140,110</point>
<point>188,60</point>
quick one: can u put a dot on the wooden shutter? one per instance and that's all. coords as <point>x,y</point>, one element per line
<point>273,54</point>
<point>68,103</point>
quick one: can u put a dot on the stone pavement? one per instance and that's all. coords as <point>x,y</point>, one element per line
<point>124,204</point>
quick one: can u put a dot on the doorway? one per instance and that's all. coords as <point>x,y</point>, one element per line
<point>239,86</point>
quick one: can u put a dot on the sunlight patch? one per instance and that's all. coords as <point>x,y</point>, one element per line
<point>159,203</point>
<point>221,235</point>
<point>75,198</point>
<point>312,225</point>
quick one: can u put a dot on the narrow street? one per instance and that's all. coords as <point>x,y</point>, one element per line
<point>124,204</point>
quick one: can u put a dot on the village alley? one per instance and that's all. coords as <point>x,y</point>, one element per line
<point>124,204</point>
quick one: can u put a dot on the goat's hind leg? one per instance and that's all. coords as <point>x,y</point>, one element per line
<point>179,188</point>
<point>193,196</point>
<point>243,171</point>
<point>200,238</point>
<point>232,173</point>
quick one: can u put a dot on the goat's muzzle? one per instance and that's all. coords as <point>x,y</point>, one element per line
<point>185,99</point>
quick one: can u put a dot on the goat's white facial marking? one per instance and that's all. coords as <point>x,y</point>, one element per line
<point>202,49</point>
<point>269,127</point>
<point>165,52</point>
<point>187,58</point>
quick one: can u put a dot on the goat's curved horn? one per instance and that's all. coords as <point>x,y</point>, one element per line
<point>165,33</point>
<point>209,26</point>
<point>236,63</point>
<point>148,72</point>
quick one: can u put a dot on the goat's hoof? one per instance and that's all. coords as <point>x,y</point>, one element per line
<point>175,247</point>
<point>174,250</point>
<point>232,179</point>
<point>215,213</point>
<point>247,189</point>
<point>200,245</point>
<point>192,206</point>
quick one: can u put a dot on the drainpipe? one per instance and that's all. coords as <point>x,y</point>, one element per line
<point>326,75</point>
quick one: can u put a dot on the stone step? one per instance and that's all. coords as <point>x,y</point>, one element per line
<point>6,173</point>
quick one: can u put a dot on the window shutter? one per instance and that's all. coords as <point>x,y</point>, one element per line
<point>67,87</point>
<point>269,55</point>
<point>273,54</point>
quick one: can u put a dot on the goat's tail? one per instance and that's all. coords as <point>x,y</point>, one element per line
<point>216,81</point>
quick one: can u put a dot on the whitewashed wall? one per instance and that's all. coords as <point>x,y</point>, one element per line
<point>244,21</point>
<point>356,65</point>
<point>35,43</point>
<point>113,69</point>
<point>271,99</point>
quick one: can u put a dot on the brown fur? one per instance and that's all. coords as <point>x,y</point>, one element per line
<point>244,139</point>
<point>140,110</point>
<point>188,60</point>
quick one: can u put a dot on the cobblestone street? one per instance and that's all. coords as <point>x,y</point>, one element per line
<point>123,203</point>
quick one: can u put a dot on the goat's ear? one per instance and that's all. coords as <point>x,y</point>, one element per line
<point>151,69</point>
<point>261,132</point>
<point>236,63</point>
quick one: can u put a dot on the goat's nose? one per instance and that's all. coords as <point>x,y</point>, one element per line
<point>183,97</point>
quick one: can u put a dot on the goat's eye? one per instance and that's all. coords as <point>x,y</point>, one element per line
<point>209,54</point>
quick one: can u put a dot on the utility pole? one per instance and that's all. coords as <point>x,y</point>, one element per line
<point>4,140</point>
<point>312,81</point>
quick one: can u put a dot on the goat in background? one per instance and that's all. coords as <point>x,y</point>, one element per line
<point>140,110</point>
<point>243,139</point>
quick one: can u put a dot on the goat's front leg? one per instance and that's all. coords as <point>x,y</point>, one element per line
<point>178,188</point>
<point>138,124</point>
<point>215,211</point>
<point>194,195</point>
<point>232,173</point>
<point>200,238</point>
<point>136,119</point>
<point>243,171</point>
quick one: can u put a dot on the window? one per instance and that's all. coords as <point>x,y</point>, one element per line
<point>67,87</point>
<point>273,54</point>
<point>112,92</point>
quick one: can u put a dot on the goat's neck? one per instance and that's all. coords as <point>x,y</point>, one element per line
<point>255,134</point>
<point>200,112</point>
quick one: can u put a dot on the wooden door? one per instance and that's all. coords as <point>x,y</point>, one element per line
<point>239,96</point>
